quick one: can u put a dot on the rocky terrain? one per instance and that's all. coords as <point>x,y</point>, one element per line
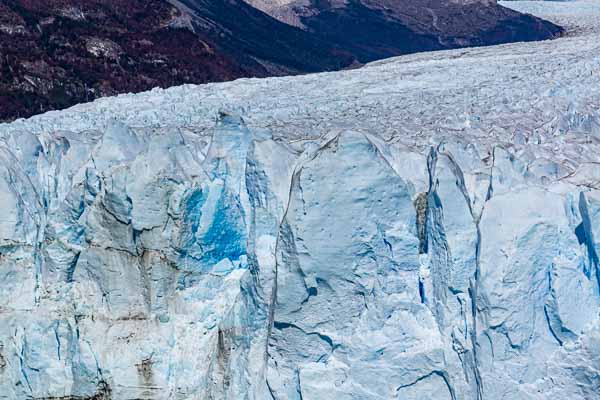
<point>425,227</point>
<point>57,53</point>
<point>375,29</point>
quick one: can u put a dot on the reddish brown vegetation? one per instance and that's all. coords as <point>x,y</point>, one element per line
<point>54,53</point>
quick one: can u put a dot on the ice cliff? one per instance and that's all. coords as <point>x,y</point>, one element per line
<point>426,227</point>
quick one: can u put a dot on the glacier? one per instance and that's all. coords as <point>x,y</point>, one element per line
<point>426,227</point>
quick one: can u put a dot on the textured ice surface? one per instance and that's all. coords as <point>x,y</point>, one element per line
<point>426,227</point>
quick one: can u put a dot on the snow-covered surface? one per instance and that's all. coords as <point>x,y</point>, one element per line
<point>578,19</point>
<point>426,227</point>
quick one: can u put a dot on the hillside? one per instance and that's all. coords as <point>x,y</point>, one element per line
<point>57,53</point>
<point>374,29</point>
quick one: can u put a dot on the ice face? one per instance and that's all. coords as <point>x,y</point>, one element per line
<point>426,227</point>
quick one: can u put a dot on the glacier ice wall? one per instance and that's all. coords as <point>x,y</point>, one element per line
<point>155,264</point>
<point>426,227</point>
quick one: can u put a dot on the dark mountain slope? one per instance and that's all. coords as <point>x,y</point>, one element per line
<point>373,29</point>
<point>56,53</point>
<point>252,38</point>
